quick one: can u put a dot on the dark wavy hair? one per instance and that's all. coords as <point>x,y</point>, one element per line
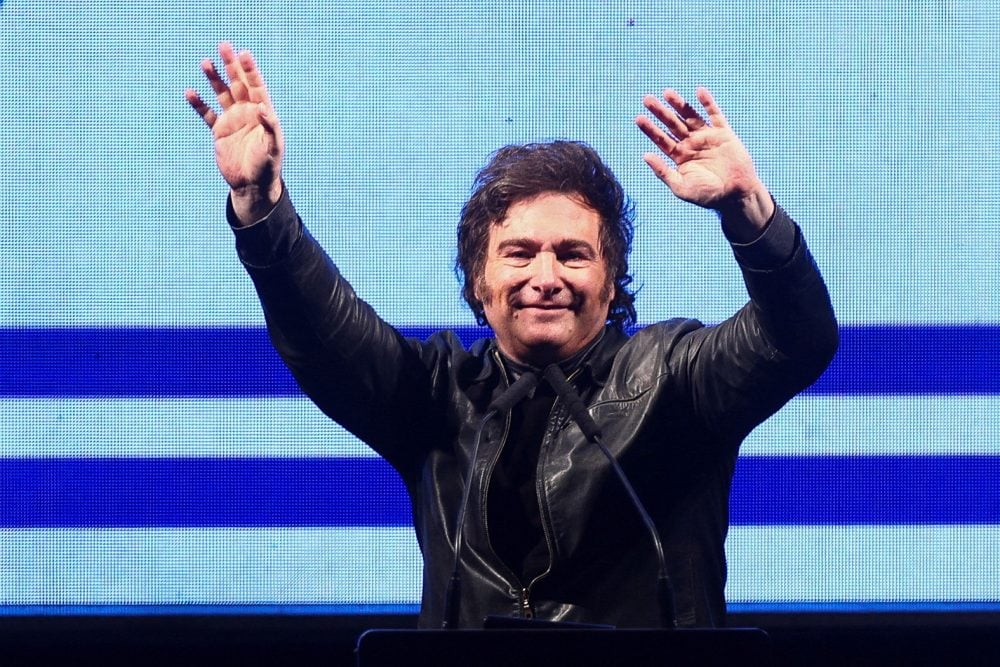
<point>520,172</point>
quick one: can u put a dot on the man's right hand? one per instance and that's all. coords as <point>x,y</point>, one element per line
<point>249,144</point>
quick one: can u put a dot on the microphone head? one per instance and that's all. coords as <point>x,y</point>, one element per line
<point>555,377</point>
<point>522,387</point>
<point>557,380</point>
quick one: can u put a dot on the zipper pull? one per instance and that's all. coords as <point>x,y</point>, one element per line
<point>526,610</point>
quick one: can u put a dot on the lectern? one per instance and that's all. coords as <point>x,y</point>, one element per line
<point>558,647</point>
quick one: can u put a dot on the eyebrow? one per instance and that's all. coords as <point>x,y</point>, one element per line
<point>560,246</point>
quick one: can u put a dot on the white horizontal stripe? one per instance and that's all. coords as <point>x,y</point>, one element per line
<point>175,427</point>
<point>880,425</point>
<point>865,564</point>
<point>295,427</point>
<point>861,564</point>
<point>209,566</point>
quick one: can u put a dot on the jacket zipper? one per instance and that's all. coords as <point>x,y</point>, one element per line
<point>527,611</point>
<point>525,602</point>
<point>523,593</point>
<point>513,579</point>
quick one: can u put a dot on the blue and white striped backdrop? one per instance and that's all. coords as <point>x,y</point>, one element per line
<point>153,449</point>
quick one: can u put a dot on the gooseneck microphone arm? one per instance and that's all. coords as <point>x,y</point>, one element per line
<point>504,402</point>
<point>578,411</point>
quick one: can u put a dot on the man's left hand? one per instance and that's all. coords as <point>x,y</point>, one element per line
<point>712,167</point>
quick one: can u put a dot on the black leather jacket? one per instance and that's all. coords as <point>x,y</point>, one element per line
<point>674,402</point>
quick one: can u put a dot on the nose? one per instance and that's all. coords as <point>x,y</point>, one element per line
<point>545,274</point>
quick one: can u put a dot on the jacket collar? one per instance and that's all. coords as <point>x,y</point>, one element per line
<point>594,361</point>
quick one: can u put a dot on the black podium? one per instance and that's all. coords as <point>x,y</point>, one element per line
<point>557,647</point>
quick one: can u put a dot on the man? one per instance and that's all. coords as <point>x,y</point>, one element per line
<point>543,241</point>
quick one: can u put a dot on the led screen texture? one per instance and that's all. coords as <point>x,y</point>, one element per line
<point>154,453</point>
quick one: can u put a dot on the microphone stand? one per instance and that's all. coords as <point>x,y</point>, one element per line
<point>578,411</point>
<point>504,402</point>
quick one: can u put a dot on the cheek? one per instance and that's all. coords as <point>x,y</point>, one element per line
<point>493,285</point>
<point>608,291</point>
<point>600,292</point>
<point>489,286</point>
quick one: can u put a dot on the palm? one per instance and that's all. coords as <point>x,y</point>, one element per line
<point>243,147</point>
<point>712,166</point>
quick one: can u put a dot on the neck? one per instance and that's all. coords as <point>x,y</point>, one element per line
<point>538,362</point>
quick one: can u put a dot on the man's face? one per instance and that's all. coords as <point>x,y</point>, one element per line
<point>545,287</point>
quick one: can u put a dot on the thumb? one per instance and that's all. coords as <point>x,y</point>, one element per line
<point>269,120</point>
<point>664,172</point>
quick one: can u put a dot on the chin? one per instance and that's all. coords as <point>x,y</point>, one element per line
<point>542,349</point>
<point>545,336</point>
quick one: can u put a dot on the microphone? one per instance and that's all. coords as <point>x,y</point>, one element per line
<point>578,411</point>
<point>502,403</point>
<point>515,392</point>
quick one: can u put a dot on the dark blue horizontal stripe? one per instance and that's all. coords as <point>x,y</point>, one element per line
<point>141,362</point>
<point>866,490</point>
<point>915,360</point>
<point>248,492</point>
<point>200,492</point>
<point>240,362</point>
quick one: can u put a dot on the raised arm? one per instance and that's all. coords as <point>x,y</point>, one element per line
<point>744,369</point>
<point>353,365</point>
<point>249,144</point>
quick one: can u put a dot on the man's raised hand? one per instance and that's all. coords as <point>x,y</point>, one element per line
<point>712,167</point>
<point>249,144</point>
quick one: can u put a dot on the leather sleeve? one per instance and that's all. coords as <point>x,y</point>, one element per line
<point>738,373</point>
<point>356,367</point>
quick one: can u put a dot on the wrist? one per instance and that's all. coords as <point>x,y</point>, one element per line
<point>745,218</point>
<point>252,203</point>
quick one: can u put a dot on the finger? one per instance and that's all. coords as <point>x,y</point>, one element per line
<point>239,91</point>
<point>715,115</point>
<point>663,171</point>
<point>234,70</point>
<point>202,109</point>
<point>663,141</point>
<point>222,92</point>
<point>256,89</point>
<point>687,113</point>
<point>675,126</point>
